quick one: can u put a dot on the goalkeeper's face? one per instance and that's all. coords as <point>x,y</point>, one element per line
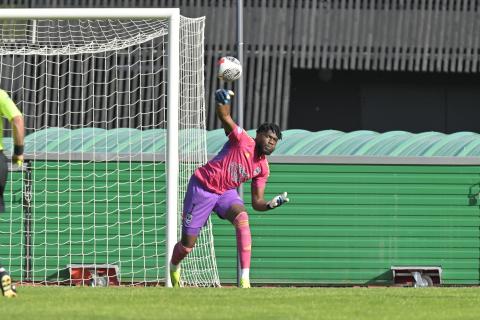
<point>266,142</point>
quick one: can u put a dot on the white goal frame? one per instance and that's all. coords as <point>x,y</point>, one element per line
<point>173,77</point>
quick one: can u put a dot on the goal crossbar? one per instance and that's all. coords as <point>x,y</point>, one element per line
<point>89,13</point>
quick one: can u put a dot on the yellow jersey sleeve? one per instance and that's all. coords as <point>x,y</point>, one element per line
<point>8,109</point>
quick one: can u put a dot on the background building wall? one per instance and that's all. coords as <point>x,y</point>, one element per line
<point>383,101</point>
<point>280,36</point>
<point>346,224</point>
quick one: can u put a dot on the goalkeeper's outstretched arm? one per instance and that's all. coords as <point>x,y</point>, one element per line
<point>224,99</point>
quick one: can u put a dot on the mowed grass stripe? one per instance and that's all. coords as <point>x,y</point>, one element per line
<point>231,303</point>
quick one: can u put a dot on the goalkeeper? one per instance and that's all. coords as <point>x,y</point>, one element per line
<point>213,188</point>
<point>9,110</point>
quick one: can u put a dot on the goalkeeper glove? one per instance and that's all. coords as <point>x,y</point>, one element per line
<point>278,200</point>
<point>223,96</point>
<point>18,160</point>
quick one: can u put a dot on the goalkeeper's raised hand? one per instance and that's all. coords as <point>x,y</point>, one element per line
<point>223,96</point>
<point>278,200</point>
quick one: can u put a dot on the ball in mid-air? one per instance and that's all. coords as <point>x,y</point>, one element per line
<point>229,69</point>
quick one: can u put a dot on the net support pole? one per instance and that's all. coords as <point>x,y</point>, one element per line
<point>172,137</point>
<point>27,219</point>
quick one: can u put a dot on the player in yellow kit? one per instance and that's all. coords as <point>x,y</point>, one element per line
<point>9,110</point>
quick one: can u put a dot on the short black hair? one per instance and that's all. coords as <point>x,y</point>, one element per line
<point>268,126</point>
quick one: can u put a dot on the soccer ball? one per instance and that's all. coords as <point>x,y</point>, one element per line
<point>229,69</point>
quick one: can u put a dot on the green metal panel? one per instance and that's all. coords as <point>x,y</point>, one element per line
<point>312,144</point>
<point>419,144</point>
<point>452,144</point>
<point>348,224</point>
<point>215,140</point>
<point>384,144</point>
<point>349,143</point>
<point>345,224</point>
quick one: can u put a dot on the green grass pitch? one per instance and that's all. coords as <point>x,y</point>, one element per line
<point>232,303</point>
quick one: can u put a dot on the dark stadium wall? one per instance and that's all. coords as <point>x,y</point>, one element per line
<point>384,101</point>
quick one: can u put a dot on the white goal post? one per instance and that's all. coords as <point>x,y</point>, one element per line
<point>85,78</point>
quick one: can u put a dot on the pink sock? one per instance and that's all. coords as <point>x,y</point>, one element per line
<point>179,252</point>
<point>244,239</point>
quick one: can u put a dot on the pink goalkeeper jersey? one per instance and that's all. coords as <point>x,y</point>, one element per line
<point>236,163</point>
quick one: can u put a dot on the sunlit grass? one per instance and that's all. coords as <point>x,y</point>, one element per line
<point>231,303</point>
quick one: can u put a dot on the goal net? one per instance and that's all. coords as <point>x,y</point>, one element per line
<point>99,98</point>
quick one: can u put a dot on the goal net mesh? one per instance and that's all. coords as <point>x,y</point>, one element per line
<point>93,189</point>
